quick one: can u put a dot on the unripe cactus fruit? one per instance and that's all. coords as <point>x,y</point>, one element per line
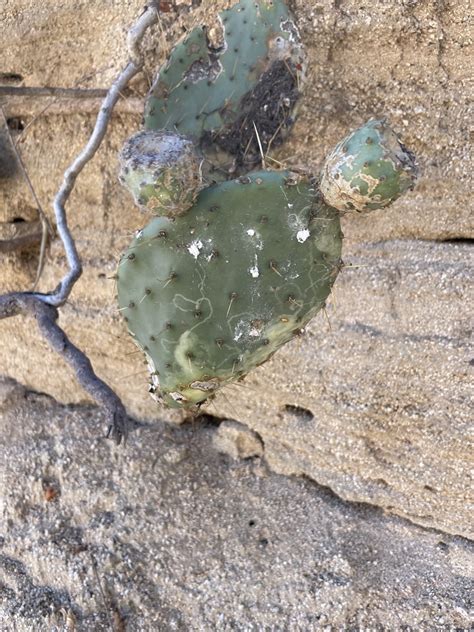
<point>216,292</point>
<point>368,170</point>
<point>162,170</point>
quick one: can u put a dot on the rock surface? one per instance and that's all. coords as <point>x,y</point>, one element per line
<point>376,405</point>
<point>168,534</point>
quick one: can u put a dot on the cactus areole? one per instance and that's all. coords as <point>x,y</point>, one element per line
<point>232,268</point>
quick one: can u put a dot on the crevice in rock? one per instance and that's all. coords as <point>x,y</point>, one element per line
<point>302,414</point>
<point>212,420</point>
<point>468,241</point>
<point>206,420</point>
<point>369,507</point>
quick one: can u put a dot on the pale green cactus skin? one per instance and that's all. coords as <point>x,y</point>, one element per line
<point>368,170</point>
<point>162,170</point>
<point>215,294</point>
<point>248,68</point>
<point>233,268</point>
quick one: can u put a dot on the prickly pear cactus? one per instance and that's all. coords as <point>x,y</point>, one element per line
<point>227,80</point>
<point>368,170</point>
<point>214,295</point>
<point>232,269</point>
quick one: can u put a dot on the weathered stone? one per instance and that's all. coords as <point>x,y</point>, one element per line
<point>237,440</point>
<point>376,407</point>
<point>199,541</point>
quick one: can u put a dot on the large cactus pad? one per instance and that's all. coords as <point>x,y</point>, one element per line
<point>223,81</point>
<point>216,292</point>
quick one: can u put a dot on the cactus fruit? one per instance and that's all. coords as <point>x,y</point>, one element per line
<point>162,170</point>
<point>368,170</point>
<point>244,71</point>
<point>208,304</point>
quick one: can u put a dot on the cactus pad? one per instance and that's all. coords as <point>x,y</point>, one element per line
<point>368,170</point>
<point>162,170</point>
<point>207,303</point>
<point>221,81</point>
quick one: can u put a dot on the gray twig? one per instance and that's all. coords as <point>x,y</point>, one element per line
<point>46,315</point>
<point>135,36</point>
<point>52,91</point>
<point>43,306</point>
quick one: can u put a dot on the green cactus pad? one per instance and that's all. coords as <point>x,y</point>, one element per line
<point>162,170</point>
<point>368,170</point>
<point>214,293</point>
<point>218,83</point>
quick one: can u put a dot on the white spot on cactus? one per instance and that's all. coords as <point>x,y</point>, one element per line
<point>254,271</point>
<point>296,223</point>
<point>240,330</point>
<point>155,381</point>
<point>302,235</point>
<point>251,232</point>
<point>177,397</point>
<point>195,248</point>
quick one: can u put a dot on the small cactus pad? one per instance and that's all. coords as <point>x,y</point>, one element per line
<point>368,170</point>
<point>162,170</point>
<point>214,293</point>
<point>223,81</point>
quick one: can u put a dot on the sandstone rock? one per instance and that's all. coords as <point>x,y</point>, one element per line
<point>376,407</point>
<point>237,440</point>
<point>200,541</point>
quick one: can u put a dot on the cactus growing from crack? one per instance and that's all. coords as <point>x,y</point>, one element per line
<point>232,269</point>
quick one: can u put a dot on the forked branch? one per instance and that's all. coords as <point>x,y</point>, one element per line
<point>43,306</point>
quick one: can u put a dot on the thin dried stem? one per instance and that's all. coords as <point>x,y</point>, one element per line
<point>135,36</point>
<point>46,316</point>
<point>43,307</point>
<point>52,91</point>
<point>45,223</point>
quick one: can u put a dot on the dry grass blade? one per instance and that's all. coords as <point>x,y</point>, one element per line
<point>47,229</point>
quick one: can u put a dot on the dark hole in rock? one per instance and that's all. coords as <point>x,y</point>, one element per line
<point>15,124</point>
<point>8,160</point>
<point>298,411</point>
<point>468,241</point>
<point>10,77</point>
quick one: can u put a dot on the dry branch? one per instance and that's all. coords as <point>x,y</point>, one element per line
<point>43,307</point>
